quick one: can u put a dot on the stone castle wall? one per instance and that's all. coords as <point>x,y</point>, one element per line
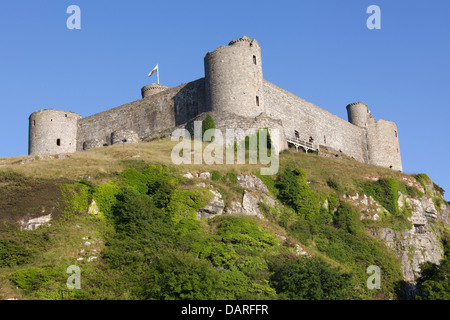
<point>145,117</point>
<point>238,97</point>
<point>311,121</point>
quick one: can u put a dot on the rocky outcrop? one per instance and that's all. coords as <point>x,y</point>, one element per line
<point>255,191</point>
<point>213,208</point>
<point>35,223</point>
<point>93,208</point>
<point>248,206</point>
<point>412,246</point>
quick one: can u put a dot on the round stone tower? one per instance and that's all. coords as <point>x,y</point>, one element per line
<point>234,78</point>
<point>52,132</point>
<point>358,114</point>
<point>152,89</point>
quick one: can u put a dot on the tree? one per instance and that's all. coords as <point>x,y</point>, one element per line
<point>346,218</point>
<point>295,191</point>
<point>207,124</point>
<point>312,279</point>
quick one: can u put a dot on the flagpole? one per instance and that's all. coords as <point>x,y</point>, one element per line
<point>157,71</point>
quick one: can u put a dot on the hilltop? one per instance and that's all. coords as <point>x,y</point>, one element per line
<point>140,227</point>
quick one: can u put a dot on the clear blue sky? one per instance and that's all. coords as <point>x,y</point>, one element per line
<point>320,50</point>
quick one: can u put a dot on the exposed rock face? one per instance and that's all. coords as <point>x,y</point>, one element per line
<point>249,206</point>
<point>252,182</point>
<point>413,249</point>
<point>255,191</point>
<point>213,208</point>
<point>367,206</point>
<point>204,175</point>
<point>35,223</point>
<point>419,244</point>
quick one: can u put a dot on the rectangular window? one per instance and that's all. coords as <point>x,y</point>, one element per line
<point>257,101</point>
<point>395,133</point>
<point>34,122</point>
<point>58,142</point>
<point>254,59</point>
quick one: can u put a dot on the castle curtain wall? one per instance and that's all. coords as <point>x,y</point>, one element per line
<point>146,117</point>
<point>311,121</point>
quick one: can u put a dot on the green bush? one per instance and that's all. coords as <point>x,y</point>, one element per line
<point>295,191</point>
<point>105,197</point>
<point>333,202</point>
<point>184,204</point>
<point>434,281</point>
<point>135,179</point>
<point>312,279</point>
<point>12,253</point>
<point>347,218</point>
<point>413,192</point>
<point>423,179</point>
<point>207,124</point>
<point>34,278</point>
<point>215,175</point>
<point>333,184</point>
<point>77,197</point>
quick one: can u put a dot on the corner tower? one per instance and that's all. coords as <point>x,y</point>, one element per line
<point>358,114</point>
<point>52,132</point>
<point>380,137</point>
<point>234,78</point>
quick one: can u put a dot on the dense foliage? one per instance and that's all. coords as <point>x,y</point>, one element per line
<point>208,124</point>
<point>156,247</point>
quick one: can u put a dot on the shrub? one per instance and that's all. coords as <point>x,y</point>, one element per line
<point>423,179</point>
<point>215,175</point>
<point>207,124</point>
<point>105,197</point>
<point>135,179</point>
<point>312,279</point>
<point>333,184</point>
<point>34,278</point>
<point>295,191</point>
<point>77,197</point>
<point>184,204</point>
<point>12,253</point>
<point>346,218</point>
<point>434,280</point>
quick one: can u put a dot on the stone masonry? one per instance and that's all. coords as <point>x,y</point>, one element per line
<point>236,95</point>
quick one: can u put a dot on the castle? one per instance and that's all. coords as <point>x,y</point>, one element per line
<point>236,95</point>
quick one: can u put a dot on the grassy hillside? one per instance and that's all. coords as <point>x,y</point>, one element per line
<point>146,242</point>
